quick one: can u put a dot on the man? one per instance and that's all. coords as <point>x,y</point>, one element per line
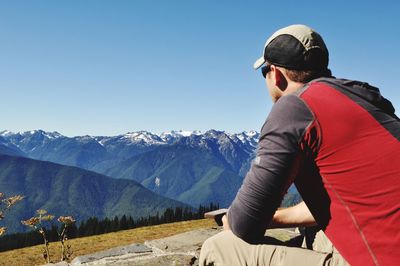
<point>338,141</point>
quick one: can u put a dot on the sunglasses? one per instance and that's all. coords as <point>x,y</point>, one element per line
<point>265,70</point>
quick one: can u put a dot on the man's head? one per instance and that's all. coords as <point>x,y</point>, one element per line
<point>293,56</point>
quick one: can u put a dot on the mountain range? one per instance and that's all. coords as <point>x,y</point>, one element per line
<point>188,167</point>
<point>192,167</point>
<point>100,152</point>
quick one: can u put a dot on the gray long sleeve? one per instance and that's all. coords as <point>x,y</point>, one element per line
<point>273,169</point>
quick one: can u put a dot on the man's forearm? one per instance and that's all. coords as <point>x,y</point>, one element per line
<point>298,215</point>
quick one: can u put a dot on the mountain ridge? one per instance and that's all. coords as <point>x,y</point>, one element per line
<point>191,163</point>
<point>141,136</point>
<point>99,153</point>
<point>67,190</point>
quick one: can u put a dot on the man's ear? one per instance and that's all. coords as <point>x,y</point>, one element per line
<point>279,78</point>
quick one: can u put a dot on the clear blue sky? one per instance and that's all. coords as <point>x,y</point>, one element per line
<point>109,67</point>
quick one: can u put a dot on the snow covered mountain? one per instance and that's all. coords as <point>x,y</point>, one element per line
<point>189,165</point>
<point>38,144</point>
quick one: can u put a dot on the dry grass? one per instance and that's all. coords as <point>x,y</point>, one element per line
<point>86,245</point>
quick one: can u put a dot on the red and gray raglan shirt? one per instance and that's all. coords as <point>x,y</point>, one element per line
<point>338,141</point>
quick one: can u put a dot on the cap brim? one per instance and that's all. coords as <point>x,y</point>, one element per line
<point>260,61</point>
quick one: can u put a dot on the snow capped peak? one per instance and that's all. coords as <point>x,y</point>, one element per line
<point>214,133</point>
<point>247,137</point>
<point>174,135</point>
<point>187,133</point>
<point>6,133</point>
<point>142,136</point>
<point>247,134</point>
<point>85,138</point>
<point>52,135</point>
<point>39,132</point>
<point>139,135</point>
<point>178,133</point>
<point>31,132</point>
<point>251,133</point>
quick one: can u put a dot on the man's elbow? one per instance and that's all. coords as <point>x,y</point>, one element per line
<point>245,228</point>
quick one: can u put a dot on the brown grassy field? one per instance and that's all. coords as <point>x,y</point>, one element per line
<point>86,245</point>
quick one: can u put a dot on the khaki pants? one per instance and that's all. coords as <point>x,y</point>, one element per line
<point>227,249</point>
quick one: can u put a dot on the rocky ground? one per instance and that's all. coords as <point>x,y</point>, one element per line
<point>181,249</point>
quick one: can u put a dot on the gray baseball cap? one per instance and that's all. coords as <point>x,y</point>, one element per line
<point>296,47</point>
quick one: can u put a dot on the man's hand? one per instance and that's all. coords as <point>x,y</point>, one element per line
<point>216,215</point>
<point>225,222</point>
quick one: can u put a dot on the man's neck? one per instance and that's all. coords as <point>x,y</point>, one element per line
<point>293,87</point>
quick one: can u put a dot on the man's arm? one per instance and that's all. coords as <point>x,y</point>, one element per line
<point>298,215</point>
<point>295,216</point>
<point>278,159</point>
